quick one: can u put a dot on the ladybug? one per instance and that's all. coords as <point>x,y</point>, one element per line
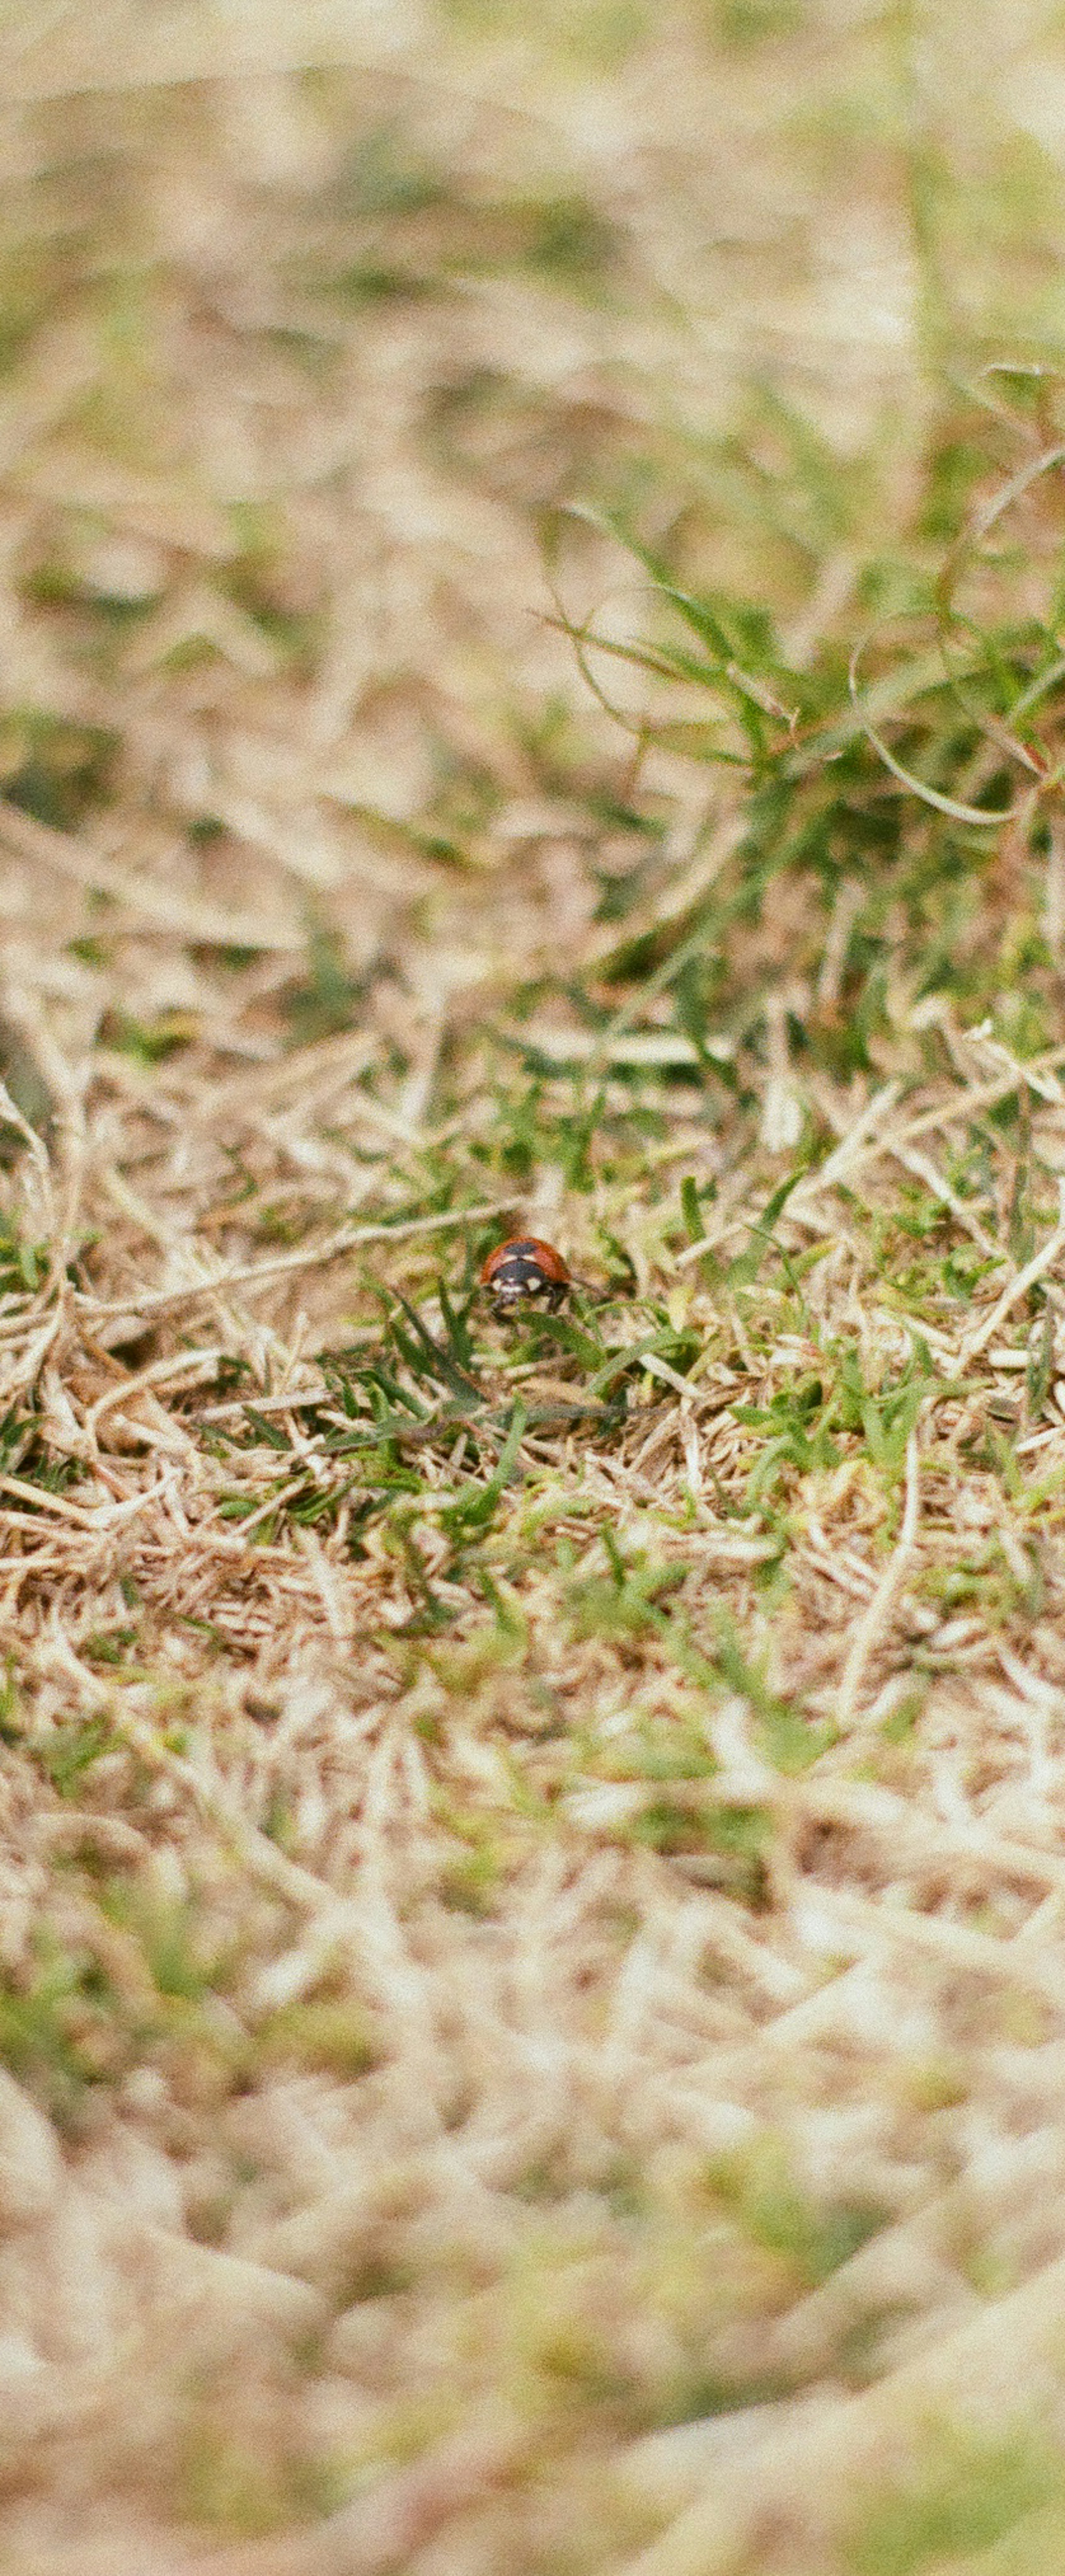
<point>524,1267</point>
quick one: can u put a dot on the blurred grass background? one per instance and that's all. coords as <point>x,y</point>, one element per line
<point>512,2058</point>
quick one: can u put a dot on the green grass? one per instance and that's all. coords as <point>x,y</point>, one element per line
<point>972,2497</point>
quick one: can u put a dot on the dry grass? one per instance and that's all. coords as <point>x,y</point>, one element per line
<point>531,1952</point>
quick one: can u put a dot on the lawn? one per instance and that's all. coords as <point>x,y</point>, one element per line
<point>532,1852</point>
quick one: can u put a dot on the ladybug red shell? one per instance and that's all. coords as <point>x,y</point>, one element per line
<point>525,1269</point>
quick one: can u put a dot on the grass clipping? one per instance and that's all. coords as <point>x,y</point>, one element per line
<point>531,1870</point>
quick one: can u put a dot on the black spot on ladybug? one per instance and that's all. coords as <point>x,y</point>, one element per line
<point>525,1269</point>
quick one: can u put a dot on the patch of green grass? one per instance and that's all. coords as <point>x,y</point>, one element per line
<point>596,35</point>
<point>625,1601</point>
<point>234,2482</point>
<point>11,1726</point>
<point>109,1646</point>
<point>662,1748</point>
<point>739,1839</point>
<point>55,771</point>
<point>812,2237</point>
<point>742,25</point>
<point>324,1000</point>
<point>470,1884</point>
<point>970,2496</point>
<point>326,2035</point>
<point>62,2029</point>
<point>23,1268</point>
<point>70,1749</point>
<point>172,1935</point>
<point>987,1579</point>
<point>799,1437</point>
<point>148,1042</point>
<point>790,1740</point>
